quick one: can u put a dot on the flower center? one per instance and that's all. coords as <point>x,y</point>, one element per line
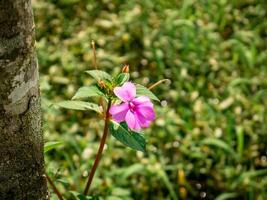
<point>131,107</point>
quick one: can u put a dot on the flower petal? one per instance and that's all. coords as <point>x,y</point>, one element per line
<point>146,112</point>
<point>132,121</point>
<point>126,92</point>
<point>119,112</point>
<point>142,101</point>
<point>142,121</point>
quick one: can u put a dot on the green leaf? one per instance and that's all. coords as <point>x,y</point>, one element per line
<point>165,178</point>
<point>220,144</point>
<point>129,138</point>
<point>87,91</point>
<point>239,81</point>
<point>143,91</point>
<point>79,105</point>
<point>225,196</point>
<point>51,145</point>
<point>99,74</point>
<point>79,196</point>
<point>120,192</point>
<point>248,175</point>
<point>113,198</point>
<point>130,170</point>
<point>122,78</point>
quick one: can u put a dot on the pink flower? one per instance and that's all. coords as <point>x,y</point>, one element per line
<point>138,112</point>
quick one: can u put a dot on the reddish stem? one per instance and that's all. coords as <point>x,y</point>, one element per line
<point>59,195</point>
<point>99,153</point>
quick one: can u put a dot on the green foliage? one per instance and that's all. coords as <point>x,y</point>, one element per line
<point>78,196</point>
<point>220,144</point>
<point>99,74</point>
<point>87,91</point>
<point>226,196</point>
<point>51,145</point>
<point>122,78</point>
<point>215,54</point>
<point>143,91</point>
<point>130,138</point>
<point>79,105</point>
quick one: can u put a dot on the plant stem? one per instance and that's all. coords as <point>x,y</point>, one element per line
<point>94,51</point>
<point>100,150</point>
<point>59,195</point>
<point>157,83</point>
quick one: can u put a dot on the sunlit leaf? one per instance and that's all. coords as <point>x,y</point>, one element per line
<point>225,196</point>
<point>51,145</point>
<point>143,91</point>
<point>79,105</point>
<point>99,74</point>
<point>87,91</point>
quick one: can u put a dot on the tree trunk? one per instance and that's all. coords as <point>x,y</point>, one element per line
<point>21,140</point>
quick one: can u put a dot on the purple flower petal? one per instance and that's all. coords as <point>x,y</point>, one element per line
<point>145,124</point>
<point>142,101</point>
<point>142,121</point>
<point>119,112</point>
<point>126,92</point>
<point>146,112</point>
<point>132,121</point>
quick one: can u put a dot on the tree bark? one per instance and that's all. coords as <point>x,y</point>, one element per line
<point>21,140</point>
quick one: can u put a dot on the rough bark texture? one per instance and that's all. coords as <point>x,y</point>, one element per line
<point>21,142</point>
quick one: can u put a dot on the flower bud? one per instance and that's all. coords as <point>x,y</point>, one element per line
<point>125,69</point>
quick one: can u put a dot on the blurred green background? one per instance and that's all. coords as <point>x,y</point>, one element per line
<point>210,137</point>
